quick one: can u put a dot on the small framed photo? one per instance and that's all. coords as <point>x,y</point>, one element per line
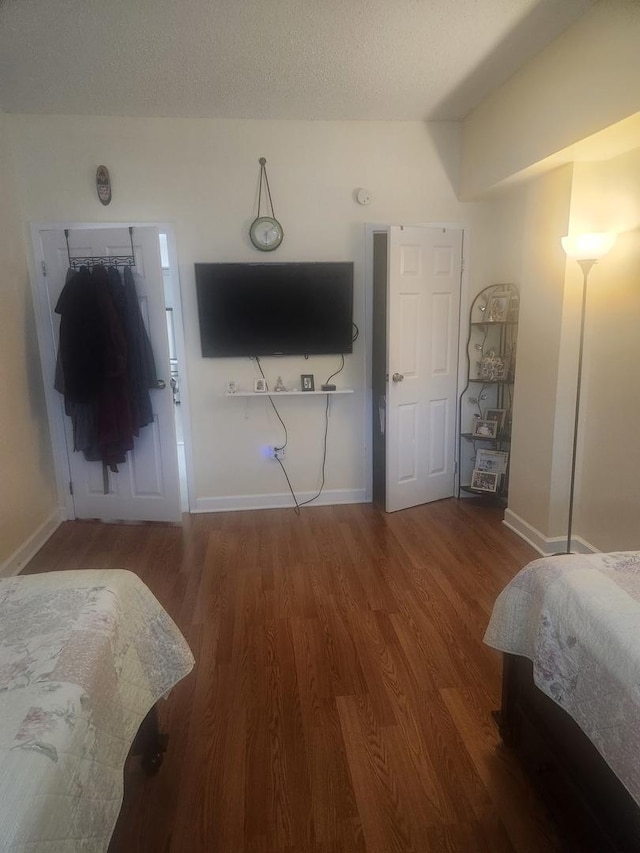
<point>306,382</point>
<point>498,308</point>
<point>497,415</point>
<point>483,428</point>
<point>484,481</point>
<point>492,461</point>
<point>260,386</point>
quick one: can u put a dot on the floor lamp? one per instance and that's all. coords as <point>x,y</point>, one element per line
<point>586,249</point>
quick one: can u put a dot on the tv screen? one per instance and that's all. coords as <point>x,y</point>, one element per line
<point>275,309</point>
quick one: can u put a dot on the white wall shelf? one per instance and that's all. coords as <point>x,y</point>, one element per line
<point>286,393</point>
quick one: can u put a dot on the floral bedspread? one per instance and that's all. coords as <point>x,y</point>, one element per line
<point>84,655</point>
<point>577,618</point>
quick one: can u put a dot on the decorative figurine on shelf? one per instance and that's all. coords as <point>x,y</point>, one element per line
<point>279,386</point>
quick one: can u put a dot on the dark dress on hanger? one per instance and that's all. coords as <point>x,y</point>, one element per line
<point>105,363</point>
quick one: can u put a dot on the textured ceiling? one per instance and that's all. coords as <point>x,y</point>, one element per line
<point>277,59</point>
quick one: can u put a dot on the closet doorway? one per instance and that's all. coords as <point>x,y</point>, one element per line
<point>147,487</point>
<point>416,286</point>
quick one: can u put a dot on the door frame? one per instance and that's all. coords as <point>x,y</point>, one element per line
<point>55,407</point>
<point>463,332</point>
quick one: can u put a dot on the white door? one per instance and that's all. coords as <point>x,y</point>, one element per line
<point>146,487</point>
<point>423,310</point>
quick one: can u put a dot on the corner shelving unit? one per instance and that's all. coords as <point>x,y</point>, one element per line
<point>485,406</point>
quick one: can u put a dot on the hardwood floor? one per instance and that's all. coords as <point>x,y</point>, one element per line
<point>342,697</point>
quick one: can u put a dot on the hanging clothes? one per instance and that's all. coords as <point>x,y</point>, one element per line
<point>141,364</point>
<point>82,337</point>
<point>105,363</point>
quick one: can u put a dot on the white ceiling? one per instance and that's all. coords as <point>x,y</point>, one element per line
<point>277,59</point>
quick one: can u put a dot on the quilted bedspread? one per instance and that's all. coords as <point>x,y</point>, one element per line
<point>577,618</point>
<point>84,655</point>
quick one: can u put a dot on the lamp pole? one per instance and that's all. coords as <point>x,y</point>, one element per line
<point>586,264</point>
<point>586,249</point>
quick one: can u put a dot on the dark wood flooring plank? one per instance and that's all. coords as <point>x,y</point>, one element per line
<point>341,697</point>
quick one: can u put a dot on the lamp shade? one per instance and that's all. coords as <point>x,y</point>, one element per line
<point>589,247</point>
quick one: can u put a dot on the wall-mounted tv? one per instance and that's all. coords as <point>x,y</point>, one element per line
<point>259,309</point>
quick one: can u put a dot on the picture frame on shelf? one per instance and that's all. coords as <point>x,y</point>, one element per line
<point>484,481</point>
<point>260,386</point>
<point>482,428</point>
<point>491,461</point>
<point>495,415</point>
<point>498,308</point>
<point>307,382</point>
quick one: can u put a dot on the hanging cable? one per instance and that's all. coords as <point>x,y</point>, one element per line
<point>337,371</point>
<point>324,455</point>
<point>298,504</point>
<point>273,405</point>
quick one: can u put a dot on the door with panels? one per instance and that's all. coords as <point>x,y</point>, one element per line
<point>146,487</point>
<point>423,317</point>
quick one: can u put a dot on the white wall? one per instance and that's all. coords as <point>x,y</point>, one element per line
<point>27,497</point>
<point>541,430</point>
<point>594,196</point>
<point>584,81</point>
<point>202,175</point>
<point>606,196</point>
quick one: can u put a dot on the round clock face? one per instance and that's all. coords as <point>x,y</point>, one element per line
<point>266,233</point>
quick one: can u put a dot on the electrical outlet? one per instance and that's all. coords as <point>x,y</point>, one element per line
<point>277,452</point>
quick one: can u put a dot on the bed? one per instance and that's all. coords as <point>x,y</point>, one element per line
<point>570,630</point>
<point>84,657</point>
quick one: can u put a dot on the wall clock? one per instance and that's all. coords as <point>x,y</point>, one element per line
<point>265,232</point>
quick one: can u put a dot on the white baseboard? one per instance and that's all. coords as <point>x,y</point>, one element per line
<point>278,501</point>
<point>545,545</point>
<point>19,559</point>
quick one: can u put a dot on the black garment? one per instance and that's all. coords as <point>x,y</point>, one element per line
<point>114,421</point>
<point>105,363</point>
<point>82,338</point>
<point>141,364</point>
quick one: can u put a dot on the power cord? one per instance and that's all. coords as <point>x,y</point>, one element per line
<point>297,503</point>
<point>339,370</point>
<point>284,426</point>
<point>296,507</point>
<point>324,455</point>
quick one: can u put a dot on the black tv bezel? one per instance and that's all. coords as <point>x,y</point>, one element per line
<point>205,341</point>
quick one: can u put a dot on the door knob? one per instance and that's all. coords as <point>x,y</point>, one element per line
<point>398,377</point>
<point>161,384</point>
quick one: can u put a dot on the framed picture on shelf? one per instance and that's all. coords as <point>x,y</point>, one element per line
<point>492,461</point>
<point>482,428</point>
<point>306,382</point>
<point>260,386</point>
<point>497,415</point>
<point>484,481</point>
<point>498,308</point>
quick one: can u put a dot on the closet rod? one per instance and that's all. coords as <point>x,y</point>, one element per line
<point>102,260</point>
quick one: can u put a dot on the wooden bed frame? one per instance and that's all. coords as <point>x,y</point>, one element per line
<point>589,803</point>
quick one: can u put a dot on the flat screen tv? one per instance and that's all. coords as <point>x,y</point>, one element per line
<point>258,309</point>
